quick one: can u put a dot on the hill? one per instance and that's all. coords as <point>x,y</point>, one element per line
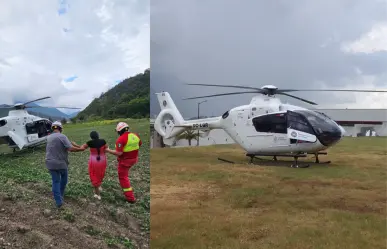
<point>50,112</point>
<point>3,111</point>
<point>73,115</point>
<point>128,99</point>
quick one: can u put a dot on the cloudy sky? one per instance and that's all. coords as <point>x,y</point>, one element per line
<point>294,44</point>
<point>71,50</point>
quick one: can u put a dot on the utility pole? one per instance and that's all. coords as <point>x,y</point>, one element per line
<point>197,139</point>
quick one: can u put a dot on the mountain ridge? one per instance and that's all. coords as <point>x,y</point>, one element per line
<point>128,99</point>
<point>49,113</point>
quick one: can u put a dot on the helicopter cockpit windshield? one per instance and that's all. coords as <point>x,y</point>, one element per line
<point>326,130</point>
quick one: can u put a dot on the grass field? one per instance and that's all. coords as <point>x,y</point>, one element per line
<point>29,219</point>
<point>200,202</point>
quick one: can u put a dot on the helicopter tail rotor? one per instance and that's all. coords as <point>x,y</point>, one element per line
<point>170,123</point>
<point>168,118</point>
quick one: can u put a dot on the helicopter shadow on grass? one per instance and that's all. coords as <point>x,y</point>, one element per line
<point>270,162</point>
<point>258,161</point>
<point>23,152</point>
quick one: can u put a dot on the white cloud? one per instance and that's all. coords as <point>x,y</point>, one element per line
<point>360,100</point>
<point>371,42</point>
<point>45,42</point>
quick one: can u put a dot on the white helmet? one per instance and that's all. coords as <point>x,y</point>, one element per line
<point>56,125</point>
<point>121,126</point>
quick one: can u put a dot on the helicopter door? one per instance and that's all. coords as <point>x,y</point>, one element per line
<point>298,129</point>
<point>17,139</point>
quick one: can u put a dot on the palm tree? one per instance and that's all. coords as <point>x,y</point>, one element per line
<point>189,135</point>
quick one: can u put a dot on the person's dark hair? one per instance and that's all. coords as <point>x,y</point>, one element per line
<point>95,136</point>
<point>123,131</point>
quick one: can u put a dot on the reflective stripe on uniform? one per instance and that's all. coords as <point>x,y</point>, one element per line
<point>128,189</point>
<point>132,143</point>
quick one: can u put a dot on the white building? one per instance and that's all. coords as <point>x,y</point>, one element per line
<point>356,122</point>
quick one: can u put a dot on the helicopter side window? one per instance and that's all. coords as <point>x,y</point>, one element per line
<point>3,122</point>
<point>298,123</point>
<point>48,126</point>
<point>43,128</point>
<point>272,123</point>
<point>225,115</point>
<point>31,128</point>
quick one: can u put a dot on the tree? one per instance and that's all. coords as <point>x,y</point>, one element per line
<point>63,121</point>
<point>129,98</point>
<point>189,135</point>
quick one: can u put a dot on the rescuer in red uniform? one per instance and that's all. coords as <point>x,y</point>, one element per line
<point>127,146</point>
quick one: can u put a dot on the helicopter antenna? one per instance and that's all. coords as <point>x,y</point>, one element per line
<point>271,90</point>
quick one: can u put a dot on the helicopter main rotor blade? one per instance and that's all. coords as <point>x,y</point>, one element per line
<point>63,107</point>
<point>295,97</point>
<point>289,90</point>
<point>329,90</point>
<point>221,94</point>
<point>29,102</point>
<point>230,86</point>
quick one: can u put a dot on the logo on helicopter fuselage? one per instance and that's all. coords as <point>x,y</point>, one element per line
<point>293,134</point>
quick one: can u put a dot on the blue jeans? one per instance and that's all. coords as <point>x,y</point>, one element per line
<point>59,181</point>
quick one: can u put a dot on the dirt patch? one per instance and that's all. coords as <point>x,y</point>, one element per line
<point>187,192</point>
<point>306,183</point>
<point>337,183</point>
<point>353,205</point>
<point>35,224</point>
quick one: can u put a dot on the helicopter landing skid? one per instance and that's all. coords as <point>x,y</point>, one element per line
<point>317,160</point>
<point>296,163</point>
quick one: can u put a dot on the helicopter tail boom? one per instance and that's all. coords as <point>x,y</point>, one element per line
<point>202,124</point>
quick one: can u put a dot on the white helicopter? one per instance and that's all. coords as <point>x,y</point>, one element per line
<point>21,130</point>
<point>265,127</point>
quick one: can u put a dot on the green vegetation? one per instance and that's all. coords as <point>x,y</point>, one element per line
<point>189,135</point>
<point>25,197</point>
<point>200,202</point>
<point>130,98</point>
